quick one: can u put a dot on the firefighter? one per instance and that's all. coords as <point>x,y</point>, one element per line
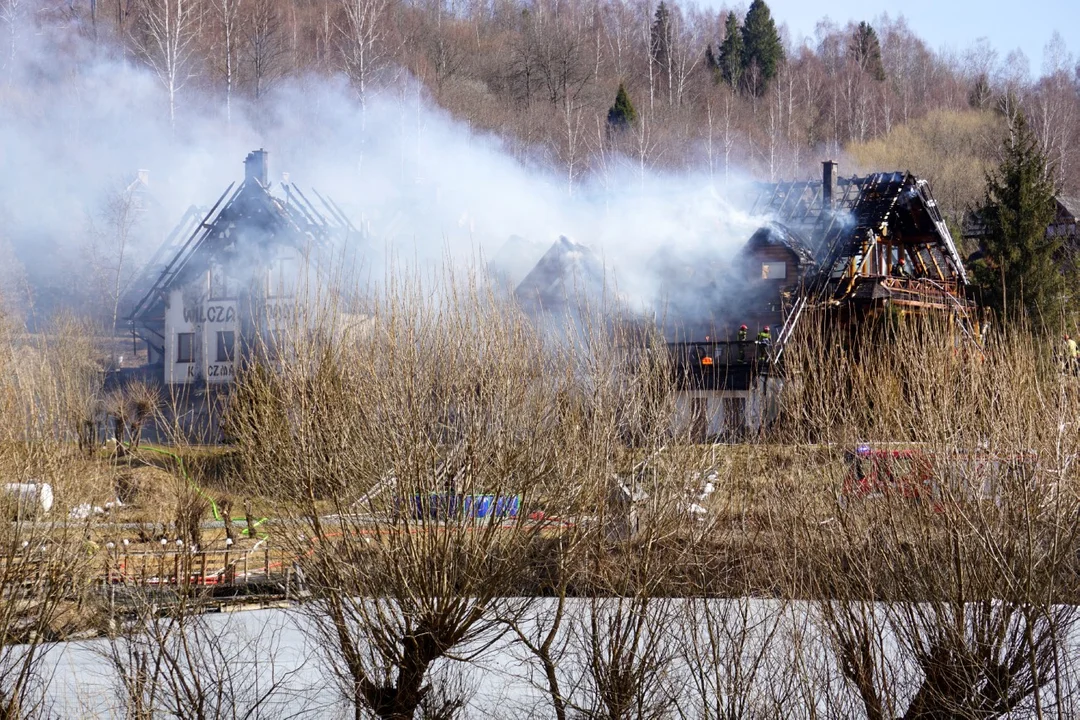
<point>764,340</point>
<point>742,343</point>
<point>742,333</point>
<point>899,268</point>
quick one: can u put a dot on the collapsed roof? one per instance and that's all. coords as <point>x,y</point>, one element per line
<point>568,271</point>
<point>845,217</point>
<point>776,235</point>
<point>515,259</point>
<point>242,221</point>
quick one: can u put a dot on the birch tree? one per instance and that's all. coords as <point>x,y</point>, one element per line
<point>165,38</point>
<point>264,47</point>
<point>227,12</point>
<point>363,42</point>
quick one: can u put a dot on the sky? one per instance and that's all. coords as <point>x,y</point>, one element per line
<point>948,24</point>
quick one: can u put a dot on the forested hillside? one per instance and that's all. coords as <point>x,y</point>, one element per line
<point>726,89</point>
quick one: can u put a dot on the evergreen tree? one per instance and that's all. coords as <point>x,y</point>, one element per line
<point>622,113</point>
<point>1023,274</point>
<point>731,52</point>
<point>660,36</point>
<point>712,62</point>
<point>866,51</point>
<point>763,54</point>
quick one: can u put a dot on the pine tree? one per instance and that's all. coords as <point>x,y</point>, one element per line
<point>622,113</point>
<point>712,62</point>
<point>865,50</point>
<point>660,50</point>
<point>763,54</point>
<point>1023,274</point>
<point>731,52</point>
<point>660,36</point>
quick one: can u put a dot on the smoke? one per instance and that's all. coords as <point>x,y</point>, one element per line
<point>77,121</point>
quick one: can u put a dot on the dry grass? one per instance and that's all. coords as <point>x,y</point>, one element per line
<point>336,430</point>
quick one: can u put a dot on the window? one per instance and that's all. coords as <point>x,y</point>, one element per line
<point>773,271</point>
<point>281,278</point>
<point>222,287</point>
<point>226,342</point>
<point>185,347</point>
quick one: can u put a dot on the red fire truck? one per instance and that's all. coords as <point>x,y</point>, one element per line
<point>922,475</point>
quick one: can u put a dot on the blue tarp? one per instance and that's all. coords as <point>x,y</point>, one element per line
<point>444,505</point>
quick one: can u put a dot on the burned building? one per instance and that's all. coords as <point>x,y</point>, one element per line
<point>852,248</point>
<point>1065,226</point>
<point>569,273</point>
<point>221,278</point>
<point>879,241</point>
<point>769,273</point>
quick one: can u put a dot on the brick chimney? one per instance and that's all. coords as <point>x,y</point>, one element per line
<point>256,167</point>
<point>828,183</point>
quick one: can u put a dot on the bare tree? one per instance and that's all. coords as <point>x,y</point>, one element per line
<point>112,233</point>
<point>48,381</point>
<point>948,599</point>
<point>431,534</point>
<point>165,37</point>
<point>228,13</point>
<point>178,662</point>
<point>264,48</point>
<point>364,38</point>
<point>11,16</point>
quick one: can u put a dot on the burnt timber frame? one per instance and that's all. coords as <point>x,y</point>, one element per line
<point>250,203</point>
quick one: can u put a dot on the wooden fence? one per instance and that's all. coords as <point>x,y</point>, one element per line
<point>178,567</point>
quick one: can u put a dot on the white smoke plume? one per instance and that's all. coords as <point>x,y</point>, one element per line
<point>420,184</point>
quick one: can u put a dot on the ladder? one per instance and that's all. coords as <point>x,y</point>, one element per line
<point>789,327</point>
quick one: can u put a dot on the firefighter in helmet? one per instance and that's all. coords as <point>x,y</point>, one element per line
<point>899,269</point>
<point>764,340</point>
<point>742,343</point>
<point>742,333</point>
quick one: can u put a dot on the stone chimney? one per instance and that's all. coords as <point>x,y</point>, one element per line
<point>256,167</point>
<point>828,183</point>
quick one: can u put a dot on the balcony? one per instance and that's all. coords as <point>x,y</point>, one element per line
<point>729,365</point>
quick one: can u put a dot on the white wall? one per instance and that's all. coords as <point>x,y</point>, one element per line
<point>205,318</point>
<point>761,403</point>
<point>192,310</point>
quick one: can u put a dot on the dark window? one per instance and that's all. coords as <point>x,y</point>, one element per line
<point>185,347</point>
<point>226,341</point>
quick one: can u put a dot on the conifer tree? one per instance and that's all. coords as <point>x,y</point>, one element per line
<point>731,52</point>
<point>1023,274</point>
<point>712,62</point>
<point>660,35</point>
<point>622,114</point>
<point>865,49</point>
<point>763,54</point>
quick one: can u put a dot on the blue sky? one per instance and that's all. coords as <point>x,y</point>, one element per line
<point>954,24</point>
